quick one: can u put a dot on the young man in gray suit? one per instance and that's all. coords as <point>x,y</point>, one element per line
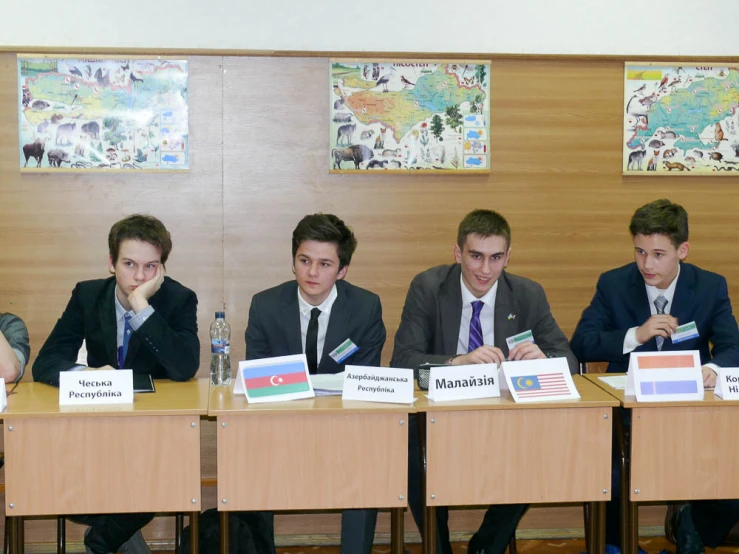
<point>462,314</point>
<point>315,314</point>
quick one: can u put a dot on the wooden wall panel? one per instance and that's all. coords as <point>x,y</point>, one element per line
<point>258,128</point>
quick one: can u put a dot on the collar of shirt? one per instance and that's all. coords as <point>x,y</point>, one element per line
<point>668,293</point>
<point>468,298</point>
<point>324,306</point>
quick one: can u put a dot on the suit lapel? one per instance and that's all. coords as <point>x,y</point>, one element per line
<point>505,314</point>
<point>450,310</point>
<point>108,324</point>
<point>290,318</point>
<point>338,324</point>
<point>682,300</point>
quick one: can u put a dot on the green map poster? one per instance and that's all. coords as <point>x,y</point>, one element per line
<point>401,116</point>
<point>102,114</point>
<point>681,119</point>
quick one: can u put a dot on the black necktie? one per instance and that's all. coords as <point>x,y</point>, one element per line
<point>311,341</point>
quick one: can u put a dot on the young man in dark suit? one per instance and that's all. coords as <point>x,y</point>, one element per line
<point>462,314</point>
<point>136,319</point>
<point>316,313</point>
<point>635,309</point>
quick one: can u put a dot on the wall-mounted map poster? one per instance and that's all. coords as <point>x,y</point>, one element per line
<point>681,119</point>
<point>85,114</point>
<point>409,115</point>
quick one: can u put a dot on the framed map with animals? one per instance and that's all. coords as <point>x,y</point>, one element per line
<point>681,119</point>
<point>102,114</point>
<point>404,116</point>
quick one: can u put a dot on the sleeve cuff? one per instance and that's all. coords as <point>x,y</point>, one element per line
<point>140,318</point>
<point>630,342</point>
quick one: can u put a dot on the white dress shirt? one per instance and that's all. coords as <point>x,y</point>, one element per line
<point>305,310</point>
<point>486,317</point>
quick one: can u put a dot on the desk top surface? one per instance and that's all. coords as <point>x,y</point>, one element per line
<point>709,399</point>
<point>224,402</point>
<point>170,398</point>
<point>590,397</point>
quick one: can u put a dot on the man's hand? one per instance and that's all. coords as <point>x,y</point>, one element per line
<point>709,376</point>
<point>139,298</point>
<point>526,351</point>
<point>662,325</point>
<point>99,368</point>
<point>482,355</point>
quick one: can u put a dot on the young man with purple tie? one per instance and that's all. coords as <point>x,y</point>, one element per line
<point>462,314</point>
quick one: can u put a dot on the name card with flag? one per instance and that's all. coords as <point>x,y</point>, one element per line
<point>274,379</point>
<point>665,376</point>
<point>539,380</point>
<point>463,382</point>
<point>727,383</point>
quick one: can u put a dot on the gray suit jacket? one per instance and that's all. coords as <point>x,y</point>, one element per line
<point>429,326</point>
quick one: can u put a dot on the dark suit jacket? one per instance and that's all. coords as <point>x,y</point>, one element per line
<point>429,326</point>
<point>165,346</point>
<point>621,302</point>
<point>274,326</point>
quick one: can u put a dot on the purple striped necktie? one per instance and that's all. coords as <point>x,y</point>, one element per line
<point>475,326</point>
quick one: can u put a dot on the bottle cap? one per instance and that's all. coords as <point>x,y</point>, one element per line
<point>220,315</point>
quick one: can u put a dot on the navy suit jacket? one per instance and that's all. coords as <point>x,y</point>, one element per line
<point>621,302</point>
<point>165,346</point>
<point>274,326</point>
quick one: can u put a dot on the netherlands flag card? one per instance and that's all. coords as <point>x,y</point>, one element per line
<point>665,376</point>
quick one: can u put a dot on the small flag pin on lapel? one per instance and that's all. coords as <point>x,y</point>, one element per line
<point>511,316</point>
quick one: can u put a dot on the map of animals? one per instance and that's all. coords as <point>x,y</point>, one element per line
<point>681,119</point>
<point>397,116</point>
<point>102,114</point>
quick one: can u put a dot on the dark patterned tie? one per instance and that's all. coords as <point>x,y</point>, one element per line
<point>475,326</point>
<point>660,302</point>
<point>311,341</point>
<point>123,349</point>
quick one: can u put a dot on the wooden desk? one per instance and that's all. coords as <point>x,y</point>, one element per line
<point>674,451</point>
<point>313,454</point>
<point>494,451</point>
<point>142,457</point>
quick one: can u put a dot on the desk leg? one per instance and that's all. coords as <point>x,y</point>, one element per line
<point>179,525</point>
<point>629,534</point>
<point>194,532</point>
<point>397,539</point>
<point>598,527</point>
<point>61,535</point>
<point>19,534</point>
<point>224,532</point>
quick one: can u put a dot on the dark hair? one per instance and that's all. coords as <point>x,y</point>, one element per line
<point>141,227</point>
<point>485,223</point>
<point>326,228</point>
<point>661,217</point>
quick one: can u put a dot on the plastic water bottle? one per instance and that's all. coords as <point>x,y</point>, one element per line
<point>220,359</point>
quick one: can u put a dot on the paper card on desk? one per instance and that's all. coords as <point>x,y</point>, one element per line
<point>665,376</point>
<point>539,380</point>
<point>618,382</point>
<point>328,384</point>
<point>274,379</point>
<point>463,382</point>
<point>3,395</point>
<point>727,383</point>
<point>109,386</point>
<point>378,384</point>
